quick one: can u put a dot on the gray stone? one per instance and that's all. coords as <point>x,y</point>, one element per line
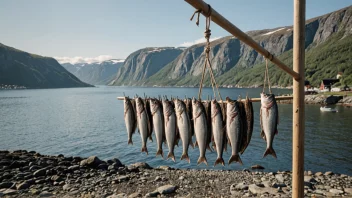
<point>10,192</point>
<point>335,191</point>
<point>57,178</point>
<point>142,165</point>
<point>74,167</point>
<point>167,189</point>
<point>134,195</point>
<point>152,194</point>
<point>309,179</point>
<point>319,192</point>
<point>92,161</point>
<point>278,185</point>
<point>164,168</point>
<point>266,183</point>
<point>328,173</point>
<point>310,173</point>
<point>123,178</point>
<point>22,186</point>
<point>348,190</point>
<point>253,188</point>
<point>46,194</point>
<point>241,186</point>
<point>280,178</point>
<point>181,178</point>
<point>121,195</point>
<point>318,174</point>
<point>40,172</point>
<point>66,187</point>
<point>157,178</point>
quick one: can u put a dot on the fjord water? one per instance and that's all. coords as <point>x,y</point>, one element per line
<point>89,121</point>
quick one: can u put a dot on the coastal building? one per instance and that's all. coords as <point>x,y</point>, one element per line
<point>326,84</point>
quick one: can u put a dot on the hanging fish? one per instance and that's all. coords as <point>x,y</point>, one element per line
<point>170,127</point>
<point>200,129</point>
<point>143,122</point>
<point>156,110</point>
<point>130,118</point>
<point>190,115</point>
<point>244,125</point>
<point>269,119</point>
<point>207,106</point>
<point>184,127</point>
<point>149,114</point>
<point>224,116</point>
<point>217,125</point>
<point>249,118</point>
<point>234,129</point>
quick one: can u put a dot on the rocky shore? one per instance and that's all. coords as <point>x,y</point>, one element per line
<point>319,99</point>
<point>30,174</point>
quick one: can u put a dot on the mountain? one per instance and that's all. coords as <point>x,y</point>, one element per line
<point>142,64</point>
<point>33,71</point>
<point>100,73</point>
<point>236,64</point>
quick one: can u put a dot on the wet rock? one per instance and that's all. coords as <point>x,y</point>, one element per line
<point>66,187</point>
<point>318,174</point>
<point>309,179</point>
<point>45,194</point>
<point>328,173</point>
<point>40,172</point>
<point>92,161</point>
<point>6,185</point>
<point>257,167</point>
<point>279,185</point>
<point>157,178</point>
<point>40,181</point>
<point>22,186</point>
<point>74,167</point>
<point>123,178</point>
<point>167,189</point>
<point>102,167</point>
<point>142,165</point>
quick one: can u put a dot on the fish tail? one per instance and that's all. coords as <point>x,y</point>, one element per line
<point>172,156</point>
<point>235,158</point>
<point>144,149</point>
<point>130,141</point>
<point>160,152</point>
<point>185,156</point>
<point>220,160</point>
<point>269,151</point>
<point>202,159</point>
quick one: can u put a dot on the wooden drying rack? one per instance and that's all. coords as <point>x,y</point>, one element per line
<point>297,74</point>
<point>242,100</point>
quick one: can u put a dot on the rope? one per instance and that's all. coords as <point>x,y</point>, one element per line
<point>266,76</point>
<point>207,35</point>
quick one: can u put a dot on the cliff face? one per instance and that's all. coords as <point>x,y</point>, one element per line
<point>143,63</point>
<point>100,73</point>
<point>33,71</point>
<point>229,53</point>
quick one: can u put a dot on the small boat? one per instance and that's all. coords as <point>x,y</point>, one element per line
<point>328,109</point>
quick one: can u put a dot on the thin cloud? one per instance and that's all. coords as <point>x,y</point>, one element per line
<point>79,59</point>
<point>201,40</point>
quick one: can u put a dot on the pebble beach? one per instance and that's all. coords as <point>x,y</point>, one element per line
<point>30,174</point>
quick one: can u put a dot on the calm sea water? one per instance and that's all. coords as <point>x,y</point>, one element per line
<point>89,121</point>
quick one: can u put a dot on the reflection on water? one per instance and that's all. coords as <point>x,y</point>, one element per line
<point>89,121</point>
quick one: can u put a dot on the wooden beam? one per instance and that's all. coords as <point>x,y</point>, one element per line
<point>224,23</point>
<point>251,99</point>
<point>298,99</point>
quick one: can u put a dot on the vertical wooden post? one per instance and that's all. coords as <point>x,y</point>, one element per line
<point>298,99</point>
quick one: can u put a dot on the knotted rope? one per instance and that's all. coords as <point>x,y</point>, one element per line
<point>266,76</point>
<point>207,35</point>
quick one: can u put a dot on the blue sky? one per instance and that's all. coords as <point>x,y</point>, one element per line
<point>116,28</point>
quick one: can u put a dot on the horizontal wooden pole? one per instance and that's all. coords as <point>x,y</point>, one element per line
<point>242,100</point>
<point>224,23</point>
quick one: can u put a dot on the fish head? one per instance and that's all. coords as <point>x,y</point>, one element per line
<point>266,100</point>
<point>127,102</point>
<point>154,105</point>
<point>179,105</point>
<point>139,104</point>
